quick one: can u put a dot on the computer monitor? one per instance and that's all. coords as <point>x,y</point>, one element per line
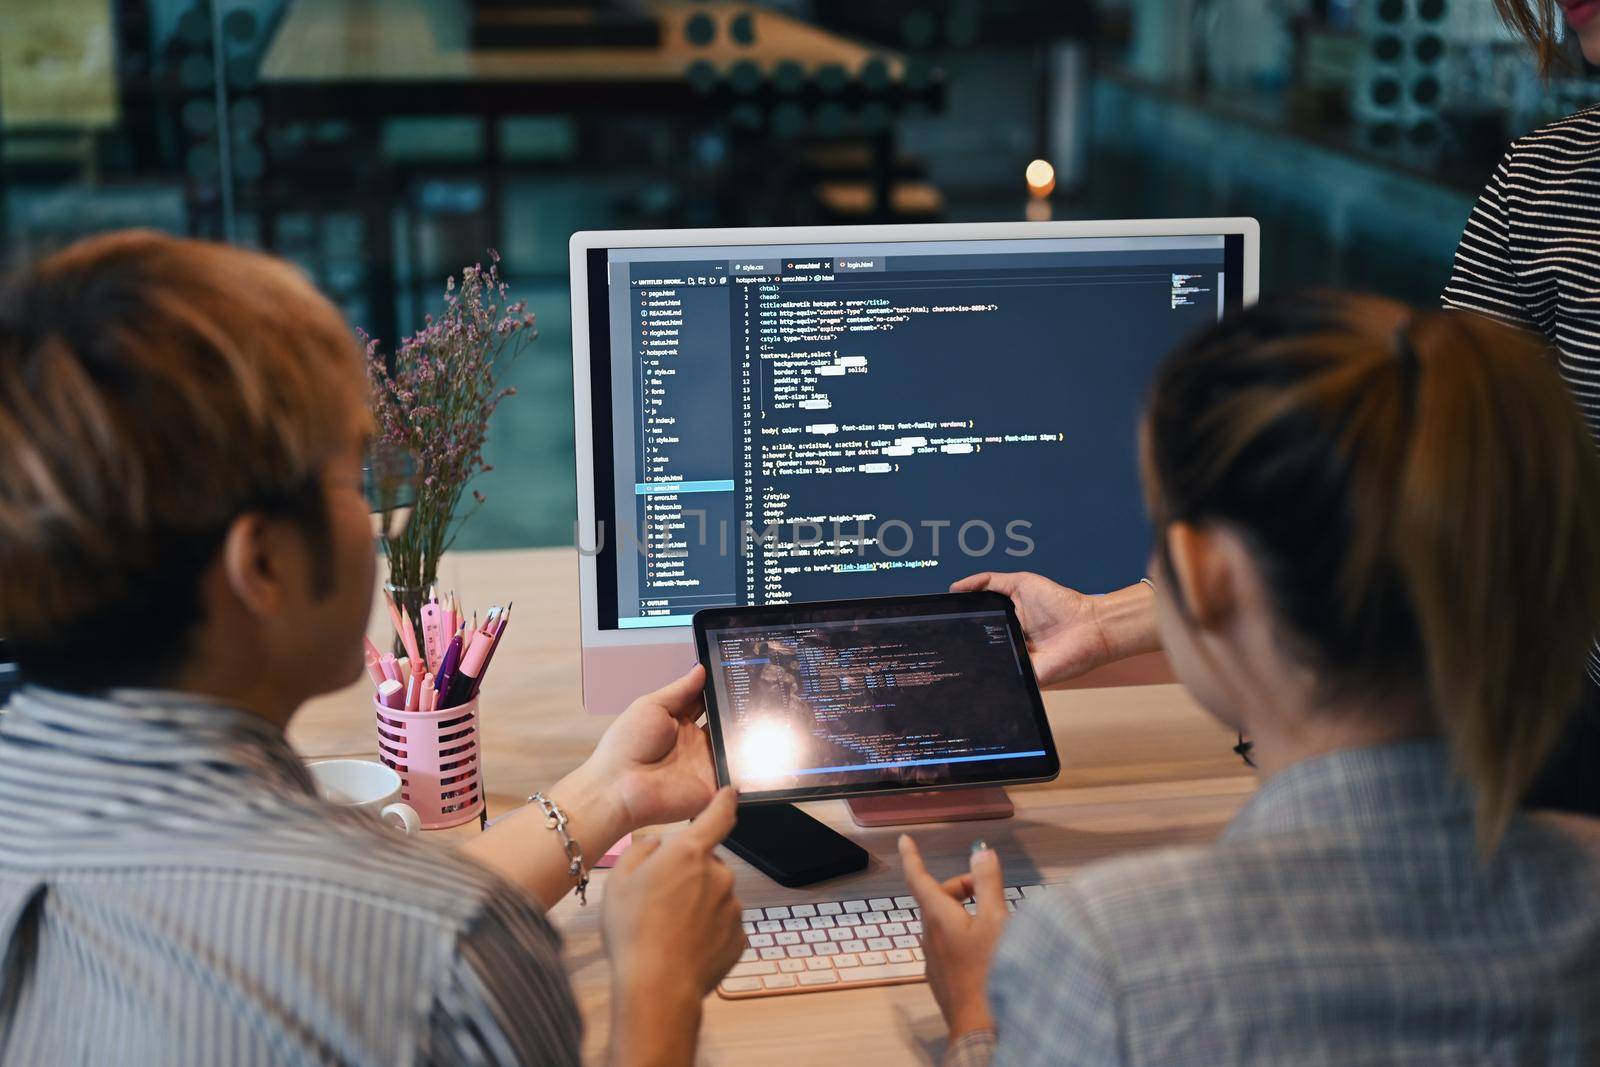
<point>818,413</point>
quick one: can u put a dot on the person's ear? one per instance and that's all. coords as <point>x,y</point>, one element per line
<point>256,563</point>
<point>1204,560</point>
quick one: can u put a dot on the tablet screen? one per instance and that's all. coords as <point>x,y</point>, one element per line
<point>901,693</point>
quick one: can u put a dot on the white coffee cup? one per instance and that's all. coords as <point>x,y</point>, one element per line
<point>365,786</point>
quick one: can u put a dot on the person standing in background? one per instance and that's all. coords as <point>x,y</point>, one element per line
<point>1530,256</point>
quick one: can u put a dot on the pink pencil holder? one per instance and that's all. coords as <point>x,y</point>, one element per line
<point>438,757</point>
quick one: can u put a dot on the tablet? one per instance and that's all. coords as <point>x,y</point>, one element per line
<point>848,697</point>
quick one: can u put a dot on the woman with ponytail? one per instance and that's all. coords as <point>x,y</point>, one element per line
<point>1377,553</point>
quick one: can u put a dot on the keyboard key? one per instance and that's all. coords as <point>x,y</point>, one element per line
<point>972,907</point>
<point>848,920</point>
<point>779,981</point>
<point>817,963</point>
<point>760,940</point>
<point>900,955</point>
<point>832,907</point>
<point>841,933</point>
<point>879,973</point>
<point>881,904</point>
<point>900,915</point>
<point>779,912</point>
<point>1013,892</point>
<point>744,970</point>
<point>751,915</point>
<point>819,977</point>
<point>797,951</point>
<point>864,930</point>
<point>872,959</point>
<point>796,924</point>
<point>879,944</point>
<point>749,928</point>
<point>748,955</point>
<point>1011,905</point>
<point>905,902</point>
<point>741,985</point>
<point>803,911</point>
<point>914,927</point>
<point>788,937</point>
<point>1032,890</point>
<point>847,959</point>
<point>822,922</point>
<point>827,948</point>
<point>875,917</point>
<point>811,937</point>
<point>906,942</point>
<point>892,929</point>
<point>769,926</point>
<point>773,954</point>
<point>916,953</point>
<point>852,946</point>
<point>856,906</point>
<point>791,966</point>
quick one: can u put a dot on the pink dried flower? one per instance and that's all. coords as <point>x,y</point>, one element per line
<point>434,396</point>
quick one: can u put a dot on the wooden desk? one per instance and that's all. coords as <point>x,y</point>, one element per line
<point>1144,767</point>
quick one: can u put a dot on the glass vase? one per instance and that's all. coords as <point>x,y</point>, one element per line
<point>409,600</point>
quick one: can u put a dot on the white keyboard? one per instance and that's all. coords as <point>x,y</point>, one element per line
<point>835,944</point>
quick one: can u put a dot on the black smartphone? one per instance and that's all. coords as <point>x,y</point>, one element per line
<point>790,847</point>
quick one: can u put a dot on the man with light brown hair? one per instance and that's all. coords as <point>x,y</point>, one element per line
<point>186,556</point>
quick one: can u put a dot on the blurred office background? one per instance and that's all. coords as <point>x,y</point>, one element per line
<point>383,144</point>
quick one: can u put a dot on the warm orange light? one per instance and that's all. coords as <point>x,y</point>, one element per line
<point>1041,177</point>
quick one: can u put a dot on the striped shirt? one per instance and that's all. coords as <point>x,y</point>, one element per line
<point>172,892</point>
<point>1344,918</point>
<point>1530,254</point>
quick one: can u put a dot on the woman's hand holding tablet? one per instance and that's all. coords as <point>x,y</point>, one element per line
<point>844,698</point>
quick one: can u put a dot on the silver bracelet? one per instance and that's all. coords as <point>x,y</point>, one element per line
<point>556,819</point>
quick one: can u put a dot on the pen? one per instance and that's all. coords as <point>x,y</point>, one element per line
<point>391,694</point>
<point>413,691</point>
<point>465,681</point>
<point>409,636</point>
<point>494,643</point>
<point>402,627</point>
<point>390,666</point>
<point>447,668</point>
<point>374,671</point>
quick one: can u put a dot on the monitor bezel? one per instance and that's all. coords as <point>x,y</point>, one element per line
<point>589,453</point>
<point>1020,771</point>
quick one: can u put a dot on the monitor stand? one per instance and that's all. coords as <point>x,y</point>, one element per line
<point>938,805</point>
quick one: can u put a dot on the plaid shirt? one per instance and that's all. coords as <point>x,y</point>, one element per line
<point>1344,918</point>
